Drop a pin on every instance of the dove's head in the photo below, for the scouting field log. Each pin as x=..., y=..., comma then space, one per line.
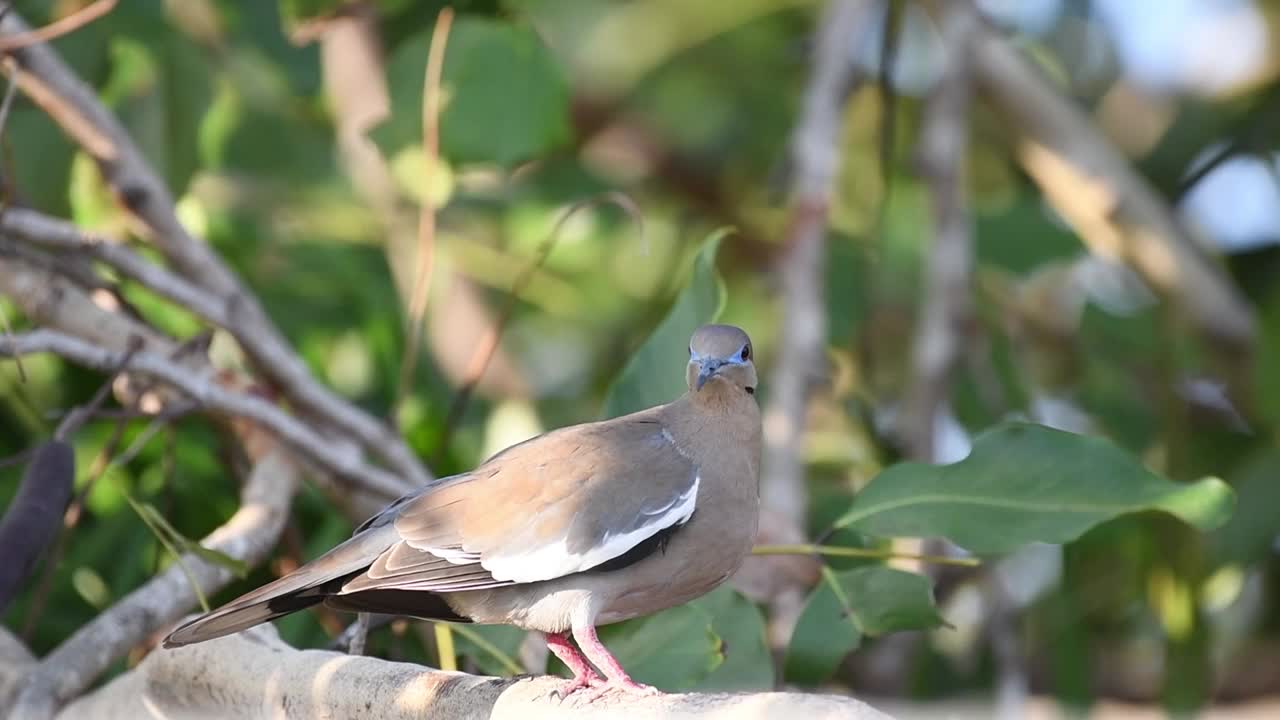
x=721, y=355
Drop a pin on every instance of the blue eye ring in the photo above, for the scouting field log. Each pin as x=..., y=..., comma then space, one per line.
x=745, y=354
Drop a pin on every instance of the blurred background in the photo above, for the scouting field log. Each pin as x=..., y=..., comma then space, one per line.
x=931, y=216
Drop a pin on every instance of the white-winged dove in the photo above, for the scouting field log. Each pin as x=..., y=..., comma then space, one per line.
x=582, y=526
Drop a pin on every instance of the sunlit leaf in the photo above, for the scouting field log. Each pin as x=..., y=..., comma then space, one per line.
x=1026, y=483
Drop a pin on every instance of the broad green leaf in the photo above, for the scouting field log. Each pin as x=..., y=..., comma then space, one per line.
x=672, y=650
x=846, y=606
x=655, y=373
x=823, y=635
x=1027, y=483
x=715, y=643
x=746, y=661
x=505, y=99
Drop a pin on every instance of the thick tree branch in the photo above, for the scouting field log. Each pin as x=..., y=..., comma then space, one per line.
x=1114, y=209
x=74, y=106
x=248, y=535
x=254, y=676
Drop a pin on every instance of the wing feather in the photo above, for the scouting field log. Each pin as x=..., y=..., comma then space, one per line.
x=563, y=503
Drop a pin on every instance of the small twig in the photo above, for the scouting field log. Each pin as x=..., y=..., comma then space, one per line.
x=5, y=105
x=346, y=638
x=206, y=391
x=58, y=28
x=873, y=553
x=80, y=414
x=359, y=634
x=427, y=213
x=489, y=345
x=75, y=106
x=164, y=541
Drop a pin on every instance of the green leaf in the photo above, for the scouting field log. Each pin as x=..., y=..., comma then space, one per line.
x=1026, y=483
x=505, y=98
x=715, y=643
x=1248, y=536
x=493, y=648
x=673, y=650
x=846, y=606
x=169, y=535
x=746, y=661
x=655, y=373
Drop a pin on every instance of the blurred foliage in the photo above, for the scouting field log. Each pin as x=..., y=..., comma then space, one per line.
x=687, y=107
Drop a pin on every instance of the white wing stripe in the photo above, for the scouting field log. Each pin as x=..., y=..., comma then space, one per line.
x=554, y=560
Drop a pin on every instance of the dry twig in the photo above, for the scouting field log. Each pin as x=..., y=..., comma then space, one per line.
x=204, y=389
x=58, y=28
x=47, y=80
x=427, y=213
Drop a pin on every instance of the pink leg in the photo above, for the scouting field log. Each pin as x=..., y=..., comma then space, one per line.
x=600, y=656
x=583, y=674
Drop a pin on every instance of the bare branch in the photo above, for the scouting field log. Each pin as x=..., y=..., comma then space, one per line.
x=58, y=28
x=815, y=151
x=946, y=315
x=255, y=676
x=39, y=229
x=1115, y=211
x=248, y=535
x=74, y=106
x=204, y=388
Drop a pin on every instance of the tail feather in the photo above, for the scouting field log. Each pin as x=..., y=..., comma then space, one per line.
x=228, y=621
x=302, y=588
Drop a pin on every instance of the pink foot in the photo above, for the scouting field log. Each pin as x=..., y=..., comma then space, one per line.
x=599, y=655
x=584, y=676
